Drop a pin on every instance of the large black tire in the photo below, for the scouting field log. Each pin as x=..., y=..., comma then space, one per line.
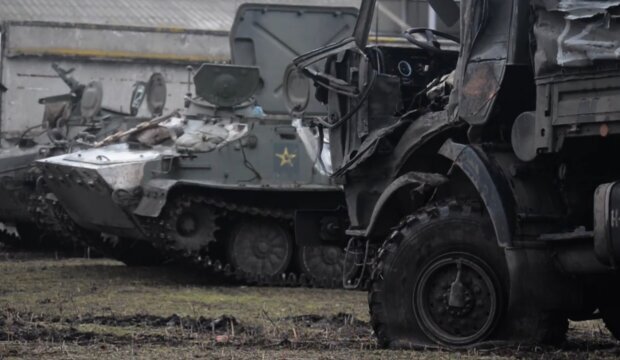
x=411, y=285
x=611, y=318
x=417, y=273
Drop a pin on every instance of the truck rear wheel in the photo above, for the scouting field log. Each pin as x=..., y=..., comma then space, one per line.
x=440, y=279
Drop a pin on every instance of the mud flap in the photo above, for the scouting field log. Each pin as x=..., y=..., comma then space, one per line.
x=540, y=297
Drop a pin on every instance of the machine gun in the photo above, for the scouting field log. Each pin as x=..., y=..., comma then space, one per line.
x=75, y=86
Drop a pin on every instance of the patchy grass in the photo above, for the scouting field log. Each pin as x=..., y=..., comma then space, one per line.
x=54, y=308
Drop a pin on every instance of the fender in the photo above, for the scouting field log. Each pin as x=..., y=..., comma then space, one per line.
x=530, y=269
x=490, y=185
x=412, y=185
x=154, y=197
x=155, y=192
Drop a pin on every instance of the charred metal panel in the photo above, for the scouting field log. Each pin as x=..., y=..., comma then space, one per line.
x=574, y=34
x=582, y=105
x=577, y=78
x=422, y=130
x=411, y=186
x=492, y=39
x=469, y=161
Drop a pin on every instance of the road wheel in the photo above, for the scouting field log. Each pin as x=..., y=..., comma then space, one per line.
x=323, y=264
x=440, y=279
x=260, y=248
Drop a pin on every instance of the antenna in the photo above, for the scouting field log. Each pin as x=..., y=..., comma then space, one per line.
x=188, y=95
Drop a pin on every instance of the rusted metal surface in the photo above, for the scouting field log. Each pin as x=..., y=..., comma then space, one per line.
x=579, y=9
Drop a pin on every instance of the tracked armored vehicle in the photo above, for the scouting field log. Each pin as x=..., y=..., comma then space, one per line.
x=490, y=198
x=236, y=181
x=70, y=121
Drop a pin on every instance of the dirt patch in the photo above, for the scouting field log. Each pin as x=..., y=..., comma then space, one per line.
x=306, y=331
x=54, y=308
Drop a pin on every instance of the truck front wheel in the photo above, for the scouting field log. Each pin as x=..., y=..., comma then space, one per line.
x=440, y=279
x=611, y=318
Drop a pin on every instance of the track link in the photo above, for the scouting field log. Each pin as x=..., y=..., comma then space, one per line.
x=8, y=239
x=217, y=265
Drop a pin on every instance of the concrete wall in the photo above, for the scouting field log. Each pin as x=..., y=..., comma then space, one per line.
x=115, y=56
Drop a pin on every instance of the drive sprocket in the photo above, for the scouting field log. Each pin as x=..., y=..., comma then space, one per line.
x=187, y=225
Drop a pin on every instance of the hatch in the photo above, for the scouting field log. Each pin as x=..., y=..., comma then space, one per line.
x=226, y=85
x=271, y=36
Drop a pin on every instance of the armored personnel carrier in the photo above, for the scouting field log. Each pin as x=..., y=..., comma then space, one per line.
x=491, y=195
x=70, y=121
x=231, y=181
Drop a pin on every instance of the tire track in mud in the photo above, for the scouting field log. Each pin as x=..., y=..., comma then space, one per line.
x=224, y=330
x=313, y=332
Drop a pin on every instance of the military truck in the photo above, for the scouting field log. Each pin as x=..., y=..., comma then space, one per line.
x=486, y=186
x=70, y=121
x=233, y=181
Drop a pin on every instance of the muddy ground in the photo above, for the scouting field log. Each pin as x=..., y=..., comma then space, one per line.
x=59, y=308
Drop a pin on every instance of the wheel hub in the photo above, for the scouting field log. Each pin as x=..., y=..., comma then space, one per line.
x=459, y=311
x=261, y=249
x=456, y=299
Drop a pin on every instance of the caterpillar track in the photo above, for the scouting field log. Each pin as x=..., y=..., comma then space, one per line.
x=8, y=239
x=208, y=258
x=210, y=245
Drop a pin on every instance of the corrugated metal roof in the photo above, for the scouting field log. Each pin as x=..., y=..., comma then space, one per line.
x=217, y=15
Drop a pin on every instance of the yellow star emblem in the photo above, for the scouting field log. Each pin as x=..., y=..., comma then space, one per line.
x=286, y=158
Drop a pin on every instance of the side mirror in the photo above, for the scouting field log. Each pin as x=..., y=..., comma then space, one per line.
x=297, y=90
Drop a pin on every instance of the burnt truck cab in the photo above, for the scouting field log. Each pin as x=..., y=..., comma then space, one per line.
x=490, y=197
x=375, y=90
